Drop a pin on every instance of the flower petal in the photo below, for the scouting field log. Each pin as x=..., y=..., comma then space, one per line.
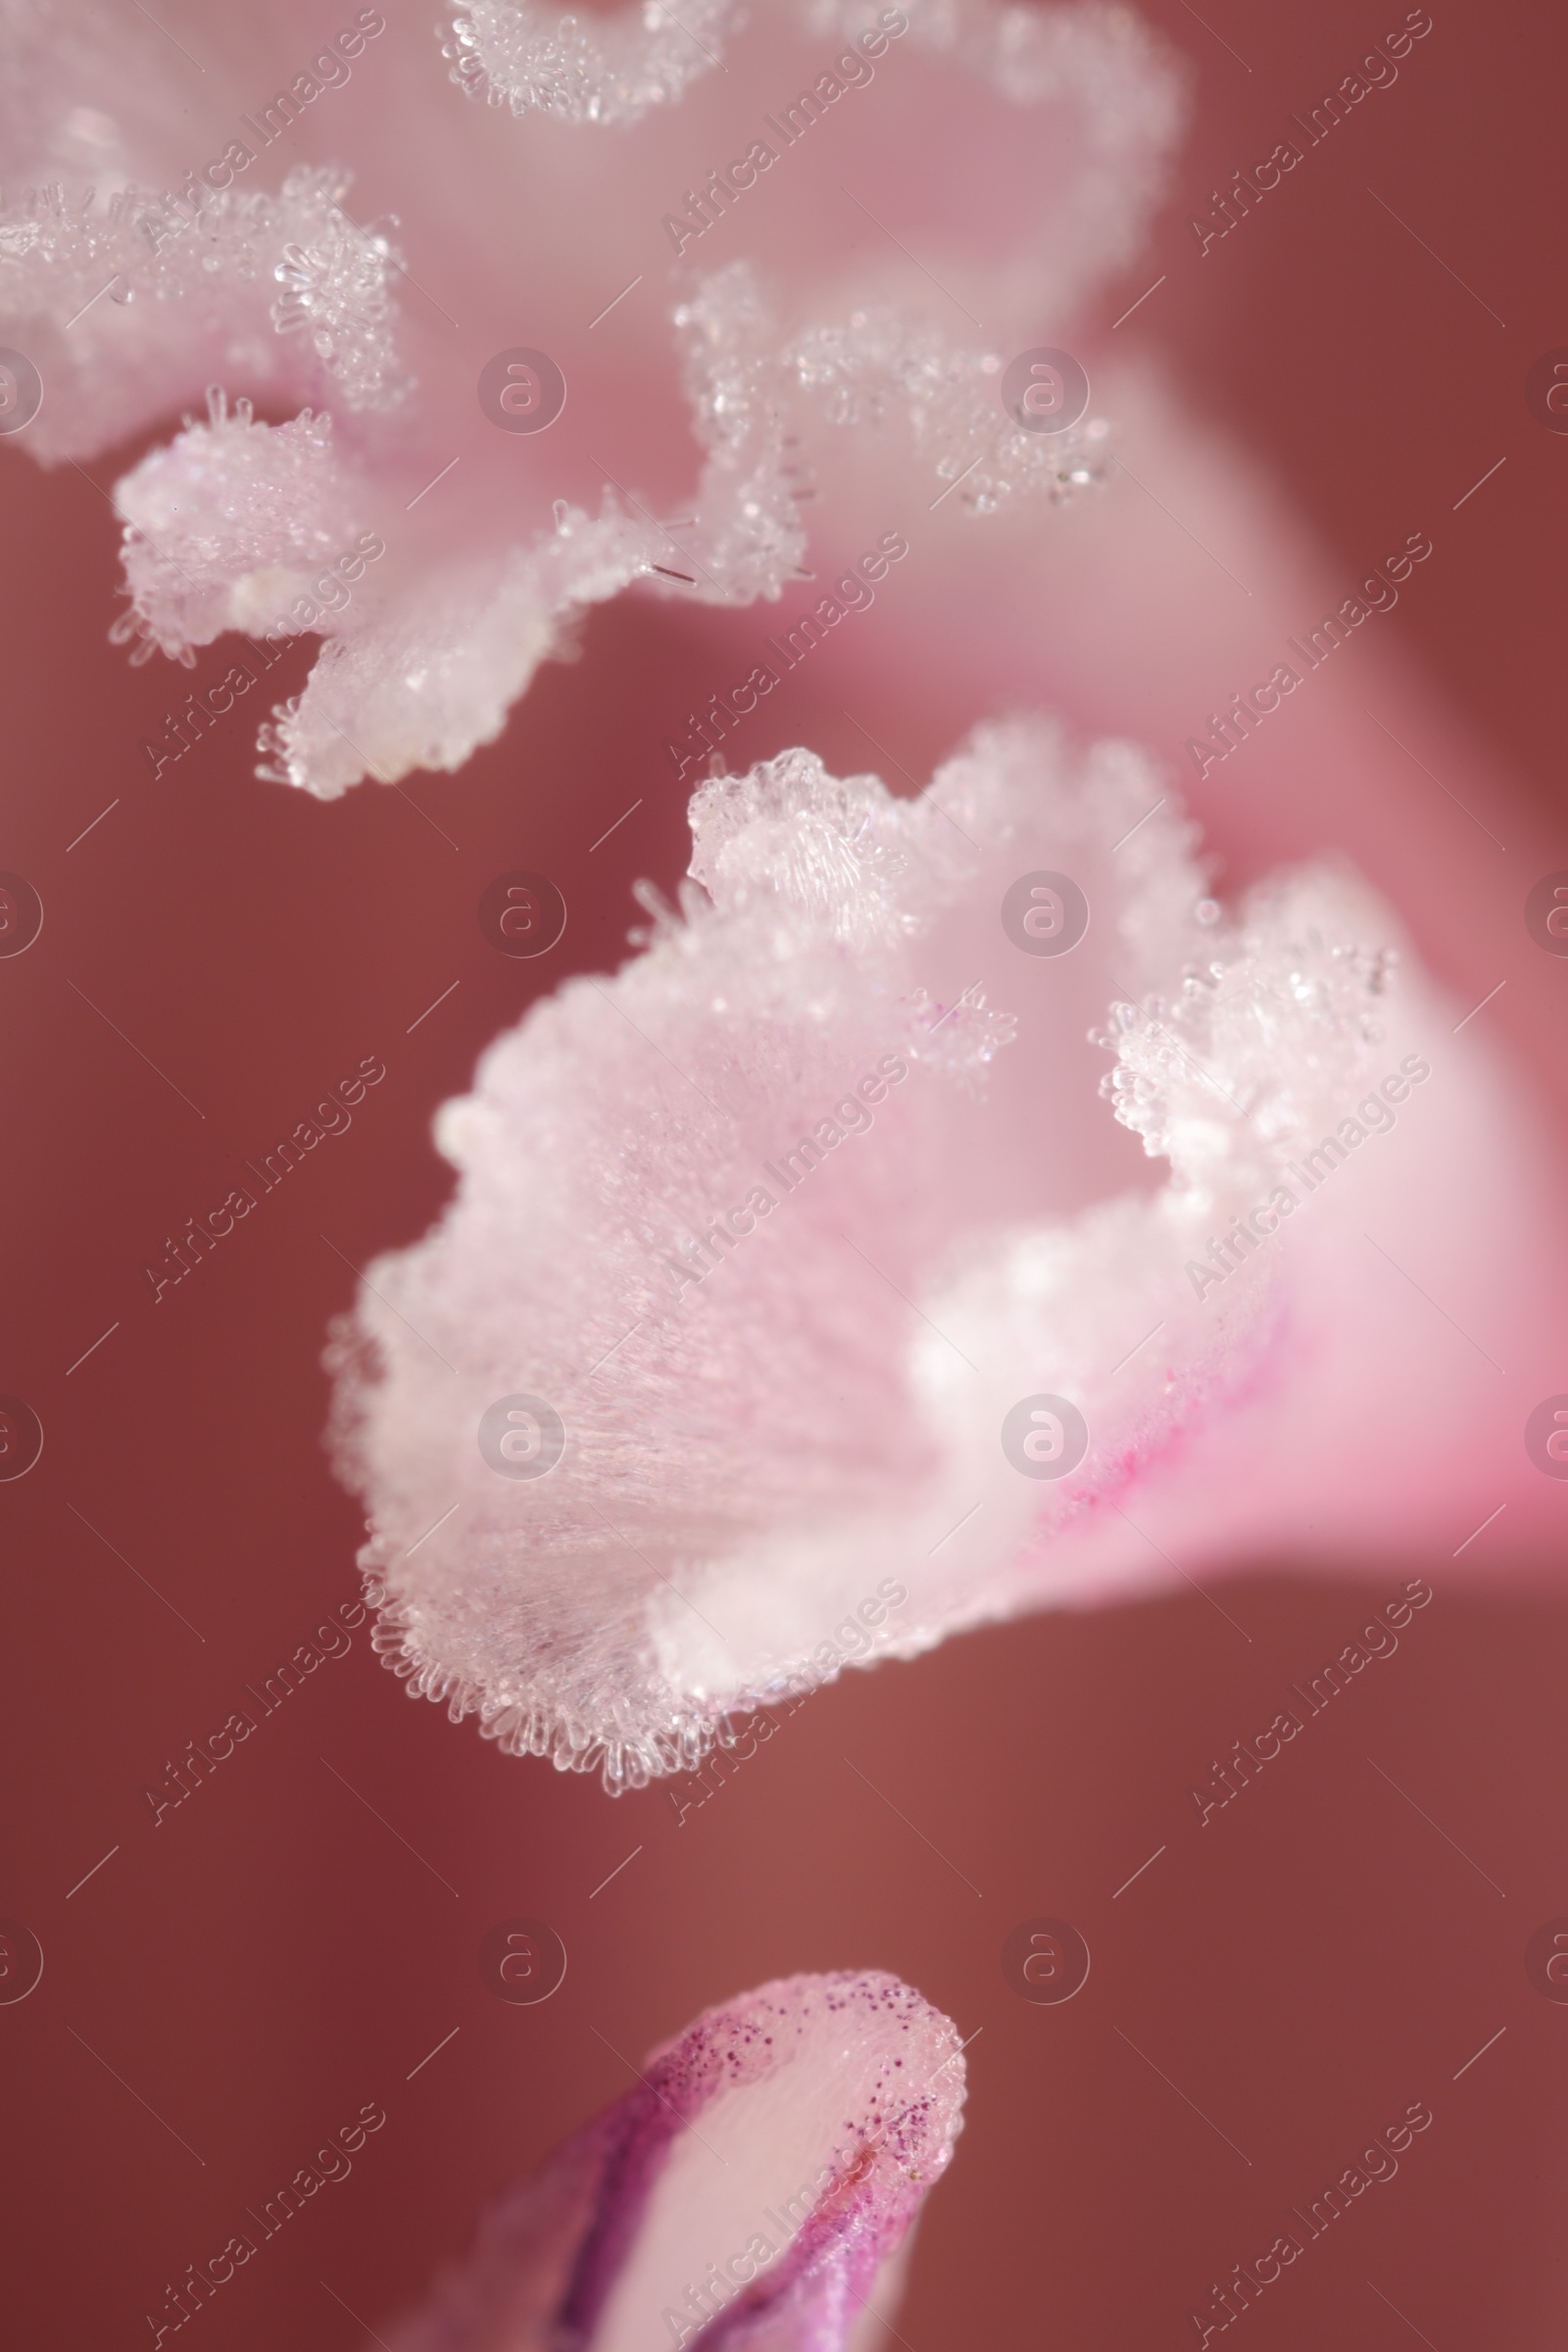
x=799, y=318
x=753, y=2191
x=612, y=69
x=802, y=1280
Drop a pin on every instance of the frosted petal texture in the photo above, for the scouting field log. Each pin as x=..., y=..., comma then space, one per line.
x=870, y=372
x=434, y=670
x=225, y=526
x=832, y=2103
x=116, y=302
x=794, y=338
x=784, y=1219
x=584, y=69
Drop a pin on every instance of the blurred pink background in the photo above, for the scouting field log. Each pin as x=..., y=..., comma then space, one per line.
x=232, y=1985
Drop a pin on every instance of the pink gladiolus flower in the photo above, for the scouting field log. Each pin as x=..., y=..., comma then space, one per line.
x=742, y=1442
x=754, y=2189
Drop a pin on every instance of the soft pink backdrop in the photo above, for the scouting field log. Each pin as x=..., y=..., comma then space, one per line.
x=273, y=1956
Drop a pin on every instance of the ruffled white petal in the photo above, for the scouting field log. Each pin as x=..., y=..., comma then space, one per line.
x=796, y=349
x=786, y=1220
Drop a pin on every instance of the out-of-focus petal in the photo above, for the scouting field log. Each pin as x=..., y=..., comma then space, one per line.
x=754, y=2191
x=772, y=311
x=602, y=69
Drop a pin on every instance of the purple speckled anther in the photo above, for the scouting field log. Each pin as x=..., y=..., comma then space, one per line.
x=754, y=2189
